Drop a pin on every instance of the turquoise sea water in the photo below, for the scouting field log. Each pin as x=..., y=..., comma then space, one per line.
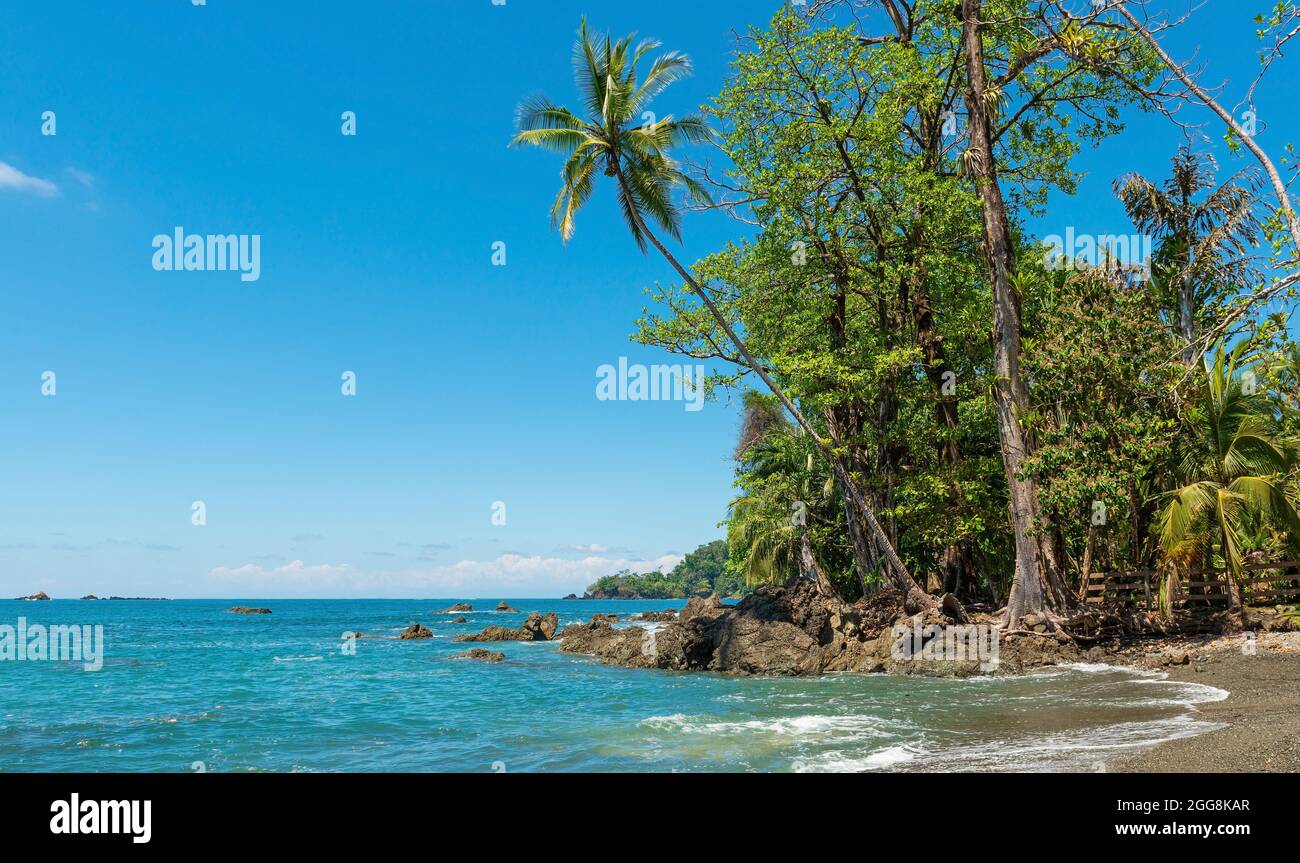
x=187, y=686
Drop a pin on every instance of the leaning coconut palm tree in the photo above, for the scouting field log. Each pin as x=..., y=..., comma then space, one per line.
x=615, y=138
x=1233, y=470
x=1203, y=258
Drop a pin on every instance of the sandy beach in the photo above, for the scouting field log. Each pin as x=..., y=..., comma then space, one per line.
x=1261, y=712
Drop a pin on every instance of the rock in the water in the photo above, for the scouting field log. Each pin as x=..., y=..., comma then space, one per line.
x=789, y=629
x=461, y=620
x=242, y=609
x=90, y=596
x=572, y=596
x=39, y=595
x=775, y=630
x=538, y=627
x=492, y=633
x=457, y=608
x=504, y=606
x=604, y=618
x=481, y=654
x=415, y=630
x=657, y=616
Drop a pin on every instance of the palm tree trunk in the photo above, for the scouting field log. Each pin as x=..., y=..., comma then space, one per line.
x=1229, y=571
x=1009, y=395
x=895, y=571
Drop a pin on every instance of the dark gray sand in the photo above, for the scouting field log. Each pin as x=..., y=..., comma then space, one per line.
x=1262, y=710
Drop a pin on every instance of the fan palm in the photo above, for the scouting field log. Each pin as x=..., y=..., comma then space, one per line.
x=618, y=137
x=1203, y=243
x=1233, y=472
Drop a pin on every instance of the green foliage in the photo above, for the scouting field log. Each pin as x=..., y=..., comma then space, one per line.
x=860, y=285
x=612, y=137
x=1097, y=356
x=700, y=573
x=1234, y=469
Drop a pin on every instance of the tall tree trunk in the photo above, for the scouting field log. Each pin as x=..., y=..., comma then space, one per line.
x=809, y=569
x=896, y=571
x=864, y=552
x=1234, y=584
x=1009, y=395
x=1085, y=574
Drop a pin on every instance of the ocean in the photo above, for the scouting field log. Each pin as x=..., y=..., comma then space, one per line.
x=187, y=686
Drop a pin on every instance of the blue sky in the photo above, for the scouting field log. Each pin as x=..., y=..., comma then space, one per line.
x=475, y=383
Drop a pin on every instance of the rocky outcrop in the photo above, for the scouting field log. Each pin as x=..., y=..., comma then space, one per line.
x=90, y=596
x=793, y=630
x=413, y=631
x=481, y=654
x=504, y=606
x=604, y=618
x=572, y=596
x=39, y=595
x=538, y=627
x=656, y=616
x=492, y=633
x=242, y=609
x=461, y=620
x=457, y=608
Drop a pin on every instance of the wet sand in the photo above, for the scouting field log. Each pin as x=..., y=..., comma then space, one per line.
x=1262, y=710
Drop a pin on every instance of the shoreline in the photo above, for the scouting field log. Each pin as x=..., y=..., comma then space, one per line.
x=1261, y=714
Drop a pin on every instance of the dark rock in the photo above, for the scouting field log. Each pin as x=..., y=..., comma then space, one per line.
x=668, y=616
x=503, y=606
x=415, y=630
x=457, y=608
x=538, y=627
x=775, y=630
x=790, y=630
x=90, y=596
x=492, y=633
x=604, y=618
x=572, y=596
x=481, y=654
x=461, y=620
x=39, y=595
x=242, y=609
x=697, y=606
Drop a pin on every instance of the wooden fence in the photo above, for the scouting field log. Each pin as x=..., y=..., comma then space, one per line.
x=1261, y=584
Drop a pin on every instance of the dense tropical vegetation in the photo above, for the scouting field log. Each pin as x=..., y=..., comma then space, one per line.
x=703, y=572
x=932, y=402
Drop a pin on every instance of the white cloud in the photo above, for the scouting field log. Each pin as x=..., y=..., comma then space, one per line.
x=594, y=548
x=513, y=575
x=293, y=573
x=12, y=178
x=83, y=177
